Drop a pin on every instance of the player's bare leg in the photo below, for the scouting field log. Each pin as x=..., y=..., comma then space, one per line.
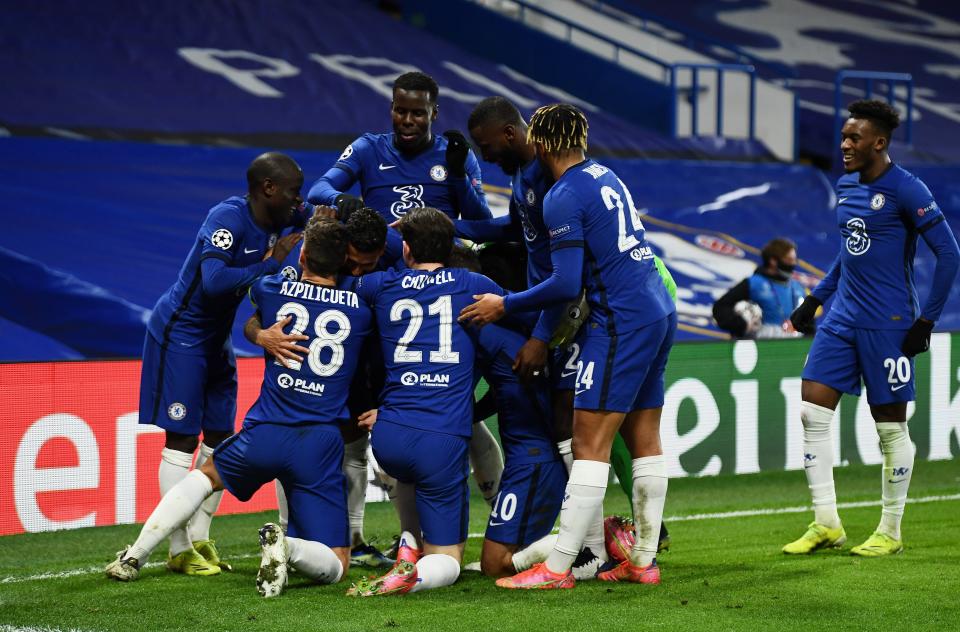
x=816, y=414
x=898, y=453
x=500, y=560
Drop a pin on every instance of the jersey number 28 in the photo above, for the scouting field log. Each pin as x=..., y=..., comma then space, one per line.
x=324, y=338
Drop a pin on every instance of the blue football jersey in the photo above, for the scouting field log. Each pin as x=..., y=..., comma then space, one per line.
x=523, y=412
x=529, y=187
x=193, y=319
x=337, y=322
x=879, y=224
x=393, y=183
x=589, y=206
x=429, y=356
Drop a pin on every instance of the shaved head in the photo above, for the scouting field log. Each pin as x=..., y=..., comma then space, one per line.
x=271, y=166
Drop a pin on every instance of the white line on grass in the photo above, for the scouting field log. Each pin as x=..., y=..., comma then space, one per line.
x=786, y=510
x=90, y=570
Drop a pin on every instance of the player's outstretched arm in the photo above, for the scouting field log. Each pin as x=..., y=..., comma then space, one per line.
x=330, y=186
x=503, y=228
x=280, y=345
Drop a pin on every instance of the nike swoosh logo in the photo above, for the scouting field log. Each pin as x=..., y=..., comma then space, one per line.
x=384, y=167
x=900, y=481
x=841, y=201
x=580, y=391
x=567, y=373
x=250, y=252
x=495, y=524
x=897, y=388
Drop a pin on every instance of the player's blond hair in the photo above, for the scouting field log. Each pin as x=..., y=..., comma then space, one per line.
x=559, y=127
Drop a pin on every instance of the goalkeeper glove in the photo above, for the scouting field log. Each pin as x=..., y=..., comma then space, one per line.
x=574, y=315
x=918, y=338
x=802, y=317
x=457, y=148
x=347, y=205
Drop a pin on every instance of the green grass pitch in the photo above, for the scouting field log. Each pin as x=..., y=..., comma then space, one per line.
x=722, y=573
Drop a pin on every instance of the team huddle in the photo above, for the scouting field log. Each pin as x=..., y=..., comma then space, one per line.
x=377, y=324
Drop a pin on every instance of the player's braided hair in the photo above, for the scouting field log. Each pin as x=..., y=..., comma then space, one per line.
x=325, y=245
x=559, y=127
x=880, y=113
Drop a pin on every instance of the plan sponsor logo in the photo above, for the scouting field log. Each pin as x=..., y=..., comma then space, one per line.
x=440, y=380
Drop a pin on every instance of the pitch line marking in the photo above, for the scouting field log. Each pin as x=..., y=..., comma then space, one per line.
x=92, y=570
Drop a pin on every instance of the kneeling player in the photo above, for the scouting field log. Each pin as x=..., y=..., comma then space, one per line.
x=290, y=433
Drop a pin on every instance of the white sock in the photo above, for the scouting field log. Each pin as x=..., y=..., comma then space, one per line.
x=649, y=495
x=486, y=460
x=283, y=510
x=565, y=448
x=584, y=496
x=174, y=467
x=173, y=511
x=403, y=497
x=355, y=469
x=818, y=462
x=593, y=538
x=898, y=455
x=408, y=539
x=198, y=528
x=534, y=553
x=315, y=560
x=436, y=571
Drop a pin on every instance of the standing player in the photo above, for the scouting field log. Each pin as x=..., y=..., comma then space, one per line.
x=875, y=326
x=290, y=432
x=409, y=168
x=597, y=241
x=424, y=421
x=188, y=383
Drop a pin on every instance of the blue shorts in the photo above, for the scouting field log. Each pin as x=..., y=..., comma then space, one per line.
x=563, y=367
x=840, y=355
x=186, y=393
x=624, y=372
x=307, y=460
x=439, y=466
x=528, y=502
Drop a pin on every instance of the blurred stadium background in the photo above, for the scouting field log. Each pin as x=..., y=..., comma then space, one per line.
x=123, y=122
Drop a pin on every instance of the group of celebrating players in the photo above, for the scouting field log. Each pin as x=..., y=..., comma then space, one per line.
x=379, y=325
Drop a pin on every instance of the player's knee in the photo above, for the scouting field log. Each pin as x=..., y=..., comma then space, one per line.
x=496, y=560
x=213, y=438
x=181, y=442
x=210, y=471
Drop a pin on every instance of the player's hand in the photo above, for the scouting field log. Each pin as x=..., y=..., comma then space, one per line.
x=531, y=361
x=284, y=245
x=347, y=205
x=282, y=346
x=918, y=337
x=366, y=420
x=325, y=211
x=802, y=317
x=457, y=149
x=487, y=309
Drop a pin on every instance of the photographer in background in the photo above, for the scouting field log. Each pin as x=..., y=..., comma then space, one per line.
x=760, y=305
